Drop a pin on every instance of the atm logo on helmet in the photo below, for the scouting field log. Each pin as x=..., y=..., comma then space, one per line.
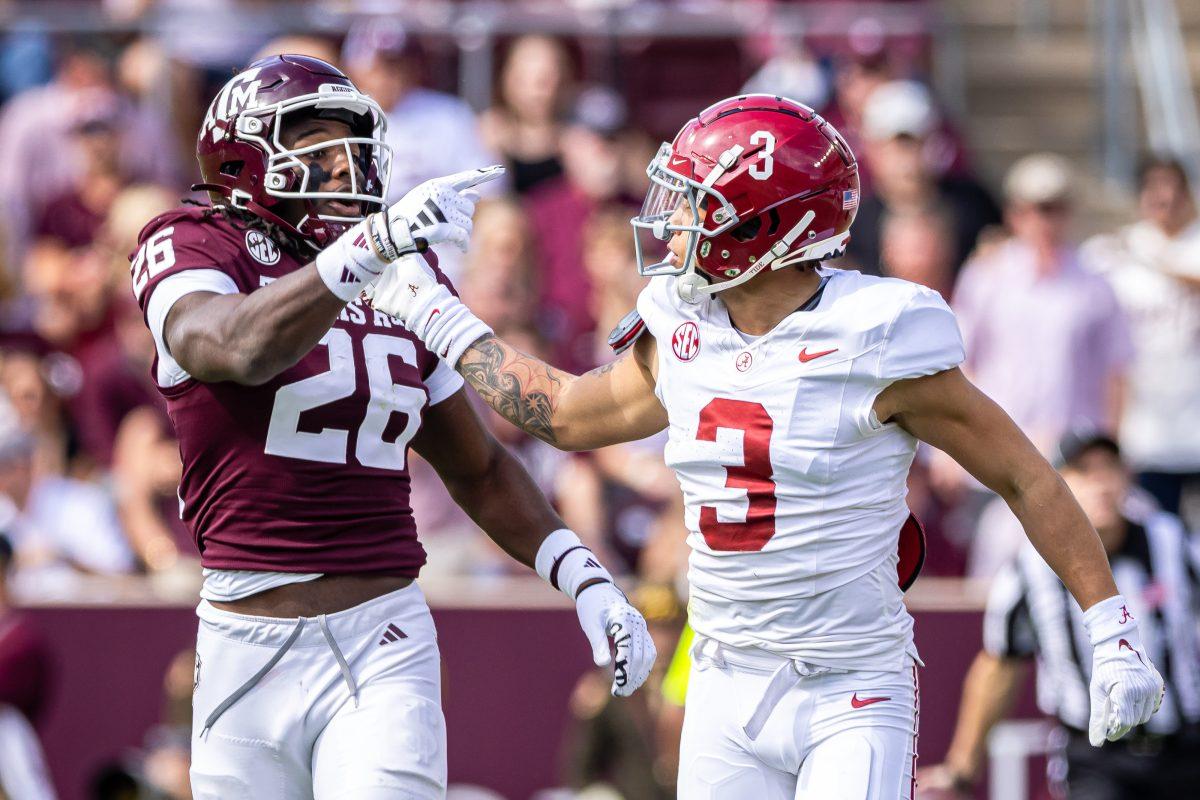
x=236, y=96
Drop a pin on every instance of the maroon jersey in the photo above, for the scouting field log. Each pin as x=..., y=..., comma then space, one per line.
x=307, y=472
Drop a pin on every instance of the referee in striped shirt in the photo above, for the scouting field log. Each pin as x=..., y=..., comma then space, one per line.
x=1030, y=615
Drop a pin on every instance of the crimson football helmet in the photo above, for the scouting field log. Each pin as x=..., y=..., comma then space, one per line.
x=754, y=181
x=245, y=164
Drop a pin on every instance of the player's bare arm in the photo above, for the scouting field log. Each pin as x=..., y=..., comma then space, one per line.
x=497, y=493
x=610, y=404
x=950, y=413
x=485, y=479
x=250, y=339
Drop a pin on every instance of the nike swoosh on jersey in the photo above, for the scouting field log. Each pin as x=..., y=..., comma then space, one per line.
x=806, y=356
x=866, y=701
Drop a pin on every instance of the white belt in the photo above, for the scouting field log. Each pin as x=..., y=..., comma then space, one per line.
x=786, y=674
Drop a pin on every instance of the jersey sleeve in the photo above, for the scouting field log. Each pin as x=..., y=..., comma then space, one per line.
x=922, y=339
x=176, y=256
x=1008, y=630
x=442, y=382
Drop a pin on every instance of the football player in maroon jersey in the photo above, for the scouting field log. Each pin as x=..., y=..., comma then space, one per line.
x=317, y=668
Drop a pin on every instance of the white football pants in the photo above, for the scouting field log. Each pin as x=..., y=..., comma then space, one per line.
x=759, y=726
x=344, y=705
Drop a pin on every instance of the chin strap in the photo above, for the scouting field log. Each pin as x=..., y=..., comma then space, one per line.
x=692, y=286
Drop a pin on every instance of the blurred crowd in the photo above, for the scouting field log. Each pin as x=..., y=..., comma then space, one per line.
x=96, y=138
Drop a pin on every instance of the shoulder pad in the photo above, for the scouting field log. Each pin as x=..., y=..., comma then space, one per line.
x=627, y=332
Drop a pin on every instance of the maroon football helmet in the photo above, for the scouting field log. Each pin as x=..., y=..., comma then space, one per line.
x=245, y=164
x=768, y=183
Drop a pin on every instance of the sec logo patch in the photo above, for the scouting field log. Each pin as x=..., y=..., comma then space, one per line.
x=686, y=341
x=261, y=248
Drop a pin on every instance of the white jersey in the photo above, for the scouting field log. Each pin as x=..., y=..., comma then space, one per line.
x=794, y=492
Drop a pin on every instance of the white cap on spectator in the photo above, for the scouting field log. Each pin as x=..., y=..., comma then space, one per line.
x=600, y=110
x=899, y=108
x=1039, y=178
x=373, y=37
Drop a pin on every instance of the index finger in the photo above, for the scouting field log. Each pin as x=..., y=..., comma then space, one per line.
x=474, y=177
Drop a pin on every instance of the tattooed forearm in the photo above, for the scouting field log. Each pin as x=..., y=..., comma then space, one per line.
x=522, y=389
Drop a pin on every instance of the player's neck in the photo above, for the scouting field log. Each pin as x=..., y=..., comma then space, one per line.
x=760, y=304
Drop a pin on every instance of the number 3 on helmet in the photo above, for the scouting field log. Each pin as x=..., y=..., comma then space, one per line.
x=755, y=181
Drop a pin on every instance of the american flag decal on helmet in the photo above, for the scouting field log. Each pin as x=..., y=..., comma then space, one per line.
x=849, y=199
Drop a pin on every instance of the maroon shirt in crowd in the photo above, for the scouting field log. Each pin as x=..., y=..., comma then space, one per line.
x=307, y=472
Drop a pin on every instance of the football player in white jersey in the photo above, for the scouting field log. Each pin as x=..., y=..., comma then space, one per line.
x=795, y=396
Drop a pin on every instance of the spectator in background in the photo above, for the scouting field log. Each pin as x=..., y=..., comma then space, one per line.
x=1154, y=267
x=33, y=386
x=37, y=160
x=559, y=212
x=115, y=361
x=917, y=246
x=1045, y=338
x=525, y=123
x=40, y=154
x=73, y=217
x=59, y=526
x=611, y=267
x=499, y=276
x=431, y=133
x=900, y=132
x=793, y=73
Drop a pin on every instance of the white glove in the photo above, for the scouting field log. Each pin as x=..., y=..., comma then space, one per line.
x=1126, y=689
x=444, y=203
x=410, y=291
x=436, y=211
x=604, y=611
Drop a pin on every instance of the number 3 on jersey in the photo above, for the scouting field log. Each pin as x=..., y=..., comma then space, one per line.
x=754, y=474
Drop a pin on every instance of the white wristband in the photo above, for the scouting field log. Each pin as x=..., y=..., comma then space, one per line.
x=1107, y=619
x=566, y=563
x=453, y=329
x=350, y=263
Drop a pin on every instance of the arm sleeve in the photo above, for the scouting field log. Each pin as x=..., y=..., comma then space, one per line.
x=922, y=339
x=1008, y=630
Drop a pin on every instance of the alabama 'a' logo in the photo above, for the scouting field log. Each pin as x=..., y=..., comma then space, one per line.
x=685, y=342
x=261, y=248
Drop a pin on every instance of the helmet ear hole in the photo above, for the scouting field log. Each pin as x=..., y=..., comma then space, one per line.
x=232, y=168
x=773, y=228
x=747, y=230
